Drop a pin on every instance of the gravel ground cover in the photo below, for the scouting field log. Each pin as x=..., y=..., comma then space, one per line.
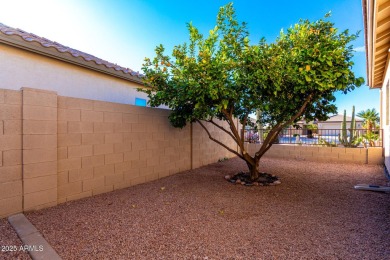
x=10, y=244
x=314, y=214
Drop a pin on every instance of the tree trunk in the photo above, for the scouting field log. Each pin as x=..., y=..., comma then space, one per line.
x=253, y=170
x=369, y=127
x=260, y=131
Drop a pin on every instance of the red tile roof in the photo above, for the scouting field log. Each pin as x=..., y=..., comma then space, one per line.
x=30, y=38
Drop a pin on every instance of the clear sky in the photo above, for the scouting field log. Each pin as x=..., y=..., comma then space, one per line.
x=127, y=31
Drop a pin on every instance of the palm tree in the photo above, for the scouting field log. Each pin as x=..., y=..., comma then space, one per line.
x=371, y=118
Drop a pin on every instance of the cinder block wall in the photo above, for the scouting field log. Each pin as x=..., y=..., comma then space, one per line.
x=371, y=155
x=39, y=114
x=11, y=182
x=55, y=149
x=105, y=146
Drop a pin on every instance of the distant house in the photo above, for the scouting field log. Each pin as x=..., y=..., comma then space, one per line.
x=334, y=122
x=331, y=127
x=28, y=60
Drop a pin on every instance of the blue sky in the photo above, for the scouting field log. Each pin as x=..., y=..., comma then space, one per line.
x=127, y=31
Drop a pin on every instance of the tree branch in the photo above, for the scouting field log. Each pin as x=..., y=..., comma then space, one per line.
x=271, y=134
x=218, y=142
x=243, y=127
x=223, y=129
x=234, y=130
x=300, y=112
x=279, y=127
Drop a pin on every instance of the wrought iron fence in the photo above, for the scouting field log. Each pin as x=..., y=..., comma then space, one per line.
x=321, y=137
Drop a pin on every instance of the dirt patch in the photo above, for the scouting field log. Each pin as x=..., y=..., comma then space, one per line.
x=314, y=214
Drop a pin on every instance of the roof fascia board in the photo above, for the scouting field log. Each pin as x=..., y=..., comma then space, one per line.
x=371, y=40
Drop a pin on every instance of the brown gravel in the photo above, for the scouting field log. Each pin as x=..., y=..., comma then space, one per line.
x=10, y=243
x=314, y=214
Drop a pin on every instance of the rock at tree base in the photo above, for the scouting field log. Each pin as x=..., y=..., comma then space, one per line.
x=243, y=178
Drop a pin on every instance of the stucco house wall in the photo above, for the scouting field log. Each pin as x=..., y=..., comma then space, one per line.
x=27, y=69
x=385, y=117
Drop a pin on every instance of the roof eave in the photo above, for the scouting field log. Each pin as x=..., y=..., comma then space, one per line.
x=51, y=52
x=376, y=15
x=368, y=19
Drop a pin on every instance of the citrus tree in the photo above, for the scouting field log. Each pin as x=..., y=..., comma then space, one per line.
x=223, y=76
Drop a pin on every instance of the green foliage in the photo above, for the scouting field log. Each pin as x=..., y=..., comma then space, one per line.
x=368, y=138
x=353, y=122
x=343, y=138
x=371, y=118
x=223, y=72
x=266, y=133
x=311, y=128
x=352, y=140
x=323, y=142
x=224, y=76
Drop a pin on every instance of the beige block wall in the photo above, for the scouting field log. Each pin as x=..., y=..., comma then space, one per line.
x=39, y=148
x=66, y=79
x=372, y=155
x=105, y=146
x=375, y=155
x=11, y=191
